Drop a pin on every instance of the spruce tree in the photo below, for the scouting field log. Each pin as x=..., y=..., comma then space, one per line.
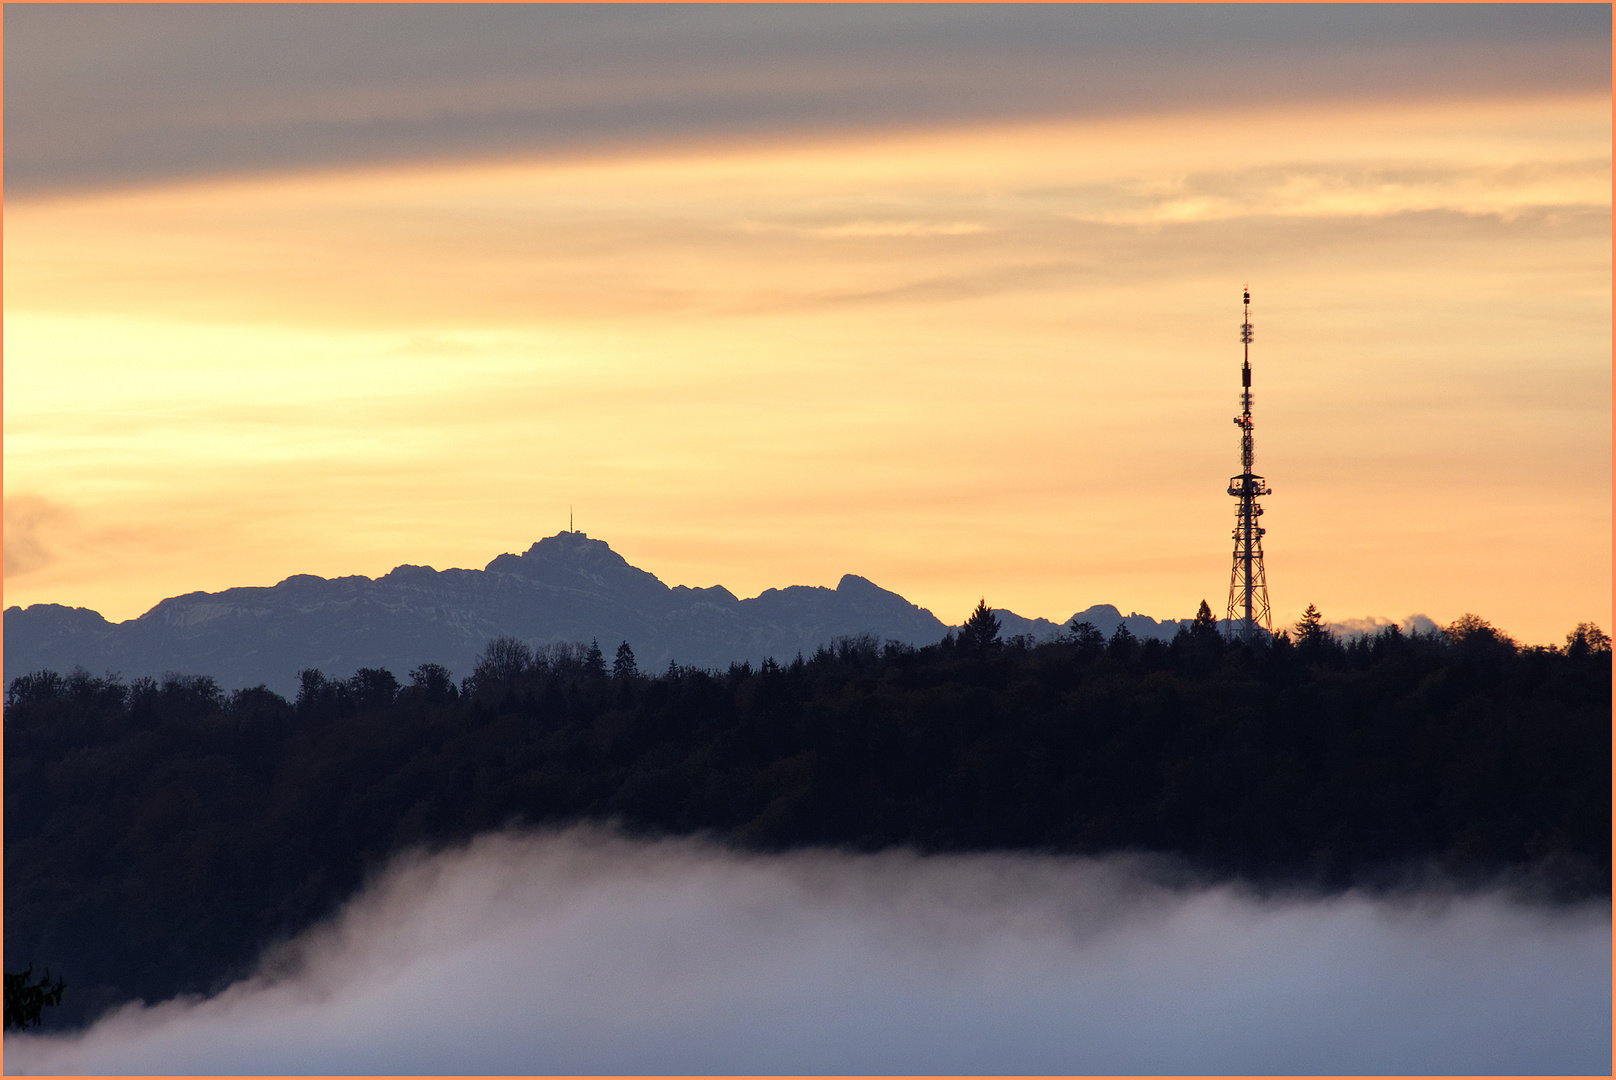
x=1310, y=628
x=981, y=631
x=623, y=666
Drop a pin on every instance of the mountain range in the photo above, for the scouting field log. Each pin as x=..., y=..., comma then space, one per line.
x=565, y=588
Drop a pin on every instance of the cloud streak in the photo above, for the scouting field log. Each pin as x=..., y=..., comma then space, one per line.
x=118, y=95
x=584, y=952
x=32, y=527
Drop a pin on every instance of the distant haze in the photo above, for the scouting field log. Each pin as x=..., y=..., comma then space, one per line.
x=583, y=953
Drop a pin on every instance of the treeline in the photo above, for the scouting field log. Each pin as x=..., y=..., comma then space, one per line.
x=159, y=833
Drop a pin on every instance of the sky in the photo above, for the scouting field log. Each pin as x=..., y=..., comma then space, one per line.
x=946, y=297
x=582, y=952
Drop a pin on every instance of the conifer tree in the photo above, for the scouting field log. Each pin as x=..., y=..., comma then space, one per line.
x=1310, y=628
x=1087, y=637
x=981, y=631
x=623, y=666
x=594, y=660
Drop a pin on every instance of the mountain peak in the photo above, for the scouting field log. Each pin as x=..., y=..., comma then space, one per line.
x=566, y=587
x=570, y=550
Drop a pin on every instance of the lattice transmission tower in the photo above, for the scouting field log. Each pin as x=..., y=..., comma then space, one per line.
x=1248, y=582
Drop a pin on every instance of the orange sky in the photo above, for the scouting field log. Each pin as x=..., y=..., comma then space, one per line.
x=991, y=358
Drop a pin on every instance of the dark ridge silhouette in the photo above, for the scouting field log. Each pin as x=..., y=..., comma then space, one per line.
x=160, y=833
x=566, y=587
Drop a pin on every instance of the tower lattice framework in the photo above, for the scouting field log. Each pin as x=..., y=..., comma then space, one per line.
x=1248, y=581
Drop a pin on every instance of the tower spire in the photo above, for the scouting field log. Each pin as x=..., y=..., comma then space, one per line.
x=1248, y=581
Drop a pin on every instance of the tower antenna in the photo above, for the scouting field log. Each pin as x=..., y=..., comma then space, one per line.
x=569, y=517
x=1248, y=581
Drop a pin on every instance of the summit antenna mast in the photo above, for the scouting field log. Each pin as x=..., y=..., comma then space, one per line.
x=1248, y=581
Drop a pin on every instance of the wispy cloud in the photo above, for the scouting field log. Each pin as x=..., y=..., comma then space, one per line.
x=1320, y=191
x=865, y=228
x=582, y=952
x=32, y=526
x=130, y=94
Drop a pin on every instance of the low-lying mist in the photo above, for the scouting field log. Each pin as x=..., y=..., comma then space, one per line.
x=583, y=952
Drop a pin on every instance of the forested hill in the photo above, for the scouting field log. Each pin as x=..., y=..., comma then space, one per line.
x=157, y=835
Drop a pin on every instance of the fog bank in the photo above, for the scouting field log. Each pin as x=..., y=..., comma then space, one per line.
x=581, y=952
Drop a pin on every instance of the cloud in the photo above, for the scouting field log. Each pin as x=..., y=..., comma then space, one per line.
x=583, y=952
x=117, y=95
x=1374, y=624
x=866, y=228
x=1307, y=190
x=32, y=526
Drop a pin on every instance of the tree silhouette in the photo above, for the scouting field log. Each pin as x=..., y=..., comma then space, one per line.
x=1310, y=629
x=1469, y=628
x=981, y=631
x=594, y=660
x=503, y=662
x=623, y=666
x=1478, y=641
x=1122, y=642
x=432, y=682
x=373, y=688
x=1087, y=637
x=319, y=696
x=26, y=999
x=1586, y=638
x=1205, y=625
